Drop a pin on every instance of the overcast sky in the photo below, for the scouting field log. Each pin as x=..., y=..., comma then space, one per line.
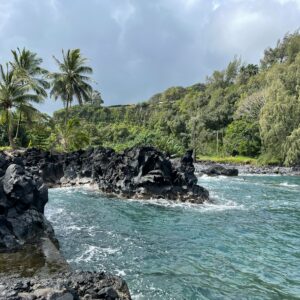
x=140, y=47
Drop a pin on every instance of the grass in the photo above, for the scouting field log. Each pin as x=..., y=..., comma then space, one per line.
x=242, y=160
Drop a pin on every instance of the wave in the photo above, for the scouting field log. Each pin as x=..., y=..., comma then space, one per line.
x=212, y=178
x=286, y=184
x=214, y=205
x=92, y=251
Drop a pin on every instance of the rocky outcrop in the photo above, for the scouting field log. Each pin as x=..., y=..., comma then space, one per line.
x=140, y=172
x=22, y=200
x=65, y=286
x=217, y=170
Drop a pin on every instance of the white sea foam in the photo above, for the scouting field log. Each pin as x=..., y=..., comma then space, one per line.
x=73, y=227
x=120, y=272
x=215, y=205
x=92, y=251
x=228, y=205
x=288, y=184
x=212, y=178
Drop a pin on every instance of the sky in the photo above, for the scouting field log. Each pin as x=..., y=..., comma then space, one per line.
x=140, y=47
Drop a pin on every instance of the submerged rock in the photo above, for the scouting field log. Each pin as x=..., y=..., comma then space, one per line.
x=217, y=170
x=65, y=286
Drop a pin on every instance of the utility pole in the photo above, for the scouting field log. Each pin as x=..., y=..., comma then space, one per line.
x=217, y=142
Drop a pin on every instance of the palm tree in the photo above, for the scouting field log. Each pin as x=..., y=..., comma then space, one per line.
x=69, y=137
x=95, y=98
x=13, y=96
x=27, y=71
x=71, y=80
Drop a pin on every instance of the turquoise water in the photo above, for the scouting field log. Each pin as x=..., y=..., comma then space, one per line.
x=245, y=245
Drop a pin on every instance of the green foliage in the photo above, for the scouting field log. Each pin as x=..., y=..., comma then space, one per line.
x=242, y=138
x=72, y=81
x=292, y=148
x=14, y=96
x=286, y=50
x=69, y=137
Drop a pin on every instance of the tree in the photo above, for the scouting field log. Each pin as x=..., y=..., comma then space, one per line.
x=246, y=72
x=27, y=71
x=69, y=137
x=71, y=80
x=13, y=95
x=279, y=117
x=250, y=106
x=286, y=50
x=242, y=138
x=95, y=98
x=292, y=148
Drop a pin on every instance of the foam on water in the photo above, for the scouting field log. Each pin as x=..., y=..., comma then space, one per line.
x=214, y=205
x=288, y=184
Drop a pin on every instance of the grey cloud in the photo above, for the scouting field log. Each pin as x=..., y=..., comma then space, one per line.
x=140, y=47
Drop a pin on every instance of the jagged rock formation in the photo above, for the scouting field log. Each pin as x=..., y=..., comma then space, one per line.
x=65, y=286
x=22, y=200
x=140, y=172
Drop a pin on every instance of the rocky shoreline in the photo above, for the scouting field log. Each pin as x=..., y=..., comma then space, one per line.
x=65, y=286
x=250, y=169
x=141, y=172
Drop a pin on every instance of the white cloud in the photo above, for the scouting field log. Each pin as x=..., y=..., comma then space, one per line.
x=139, y=47
x=283, y=2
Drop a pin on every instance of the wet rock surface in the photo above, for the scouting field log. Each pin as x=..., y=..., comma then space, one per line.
x=140, y=172
x=65, y=286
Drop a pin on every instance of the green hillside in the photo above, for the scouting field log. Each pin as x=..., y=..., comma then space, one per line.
x=245, y=110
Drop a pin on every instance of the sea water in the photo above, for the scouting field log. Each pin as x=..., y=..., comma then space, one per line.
x=245, y=244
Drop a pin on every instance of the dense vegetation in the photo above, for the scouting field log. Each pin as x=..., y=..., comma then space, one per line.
x=245, y=110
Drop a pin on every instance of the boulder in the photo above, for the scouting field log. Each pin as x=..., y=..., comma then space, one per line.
x=217, y=170
x=23, y=197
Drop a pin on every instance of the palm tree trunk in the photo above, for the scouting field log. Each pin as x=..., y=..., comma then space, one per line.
x=10, y=131
x=18, y=126
x=67, y=113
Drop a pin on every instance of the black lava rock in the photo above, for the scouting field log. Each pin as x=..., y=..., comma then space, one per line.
x=217, y=170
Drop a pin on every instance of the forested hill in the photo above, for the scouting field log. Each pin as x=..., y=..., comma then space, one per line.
x=246, y=109
x=250, y=110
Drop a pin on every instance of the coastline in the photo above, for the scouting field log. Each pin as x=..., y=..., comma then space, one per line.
x=245, y=169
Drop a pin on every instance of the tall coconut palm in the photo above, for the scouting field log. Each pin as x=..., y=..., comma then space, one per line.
x=13, y=96
x=27, y=69
x=71, y=80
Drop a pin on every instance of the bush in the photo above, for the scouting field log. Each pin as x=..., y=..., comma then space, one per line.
x=242, y=138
